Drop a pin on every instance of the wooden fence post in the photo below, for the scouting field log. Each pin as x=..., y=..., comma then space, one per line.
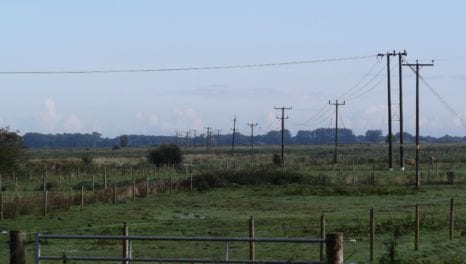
x=93, y=182
x=134, y=185
x=334, y=248
x=44, y=182
x=45, y=202
x=452, y=219
x=372, y=234
x=105, y=178
x=125, y=244
x=171, y=182
x=17, y=247
x=322, y=235
x=416, y=231
x=16, y=185
x=82, y=196
x=114, y=193
x=147, y=186
x=252, y=246
x=1, y=205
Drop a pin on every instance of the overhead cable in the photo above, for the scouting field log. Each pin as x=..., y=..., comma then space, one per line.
x=240, y=66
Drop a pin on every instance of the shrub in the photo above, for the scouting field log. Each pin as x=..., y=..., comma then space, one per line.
x=277, y=159
x=87, y=159
x=165, y=154
x=12, y=152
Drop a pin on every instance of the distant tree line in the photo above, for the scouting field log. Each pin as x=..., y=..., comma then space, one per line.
x=317, y=136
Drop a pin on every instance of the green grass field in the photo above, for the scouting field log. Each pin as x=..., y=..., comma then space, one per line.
x=285, y=209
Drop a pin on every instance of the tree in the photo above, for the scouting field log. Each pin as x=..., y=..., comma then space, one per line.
x=123, y=141
x=165, y=154
x=12, y=151
x=374, y=136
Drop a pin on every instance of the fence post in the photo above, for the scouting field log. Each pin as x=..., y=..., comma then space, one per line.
x=171, y=182
x=105, y=178
x=82, y=196
x=93, y=182
x=147, y=186
x=44, y=182
x=45, y=202
x=16, y=185
x=17, y=247
x=334, y=248
x=452, y=219
x=227, y=251
x=134, y=184
x=37, y=249
x=416, y=231
x=322, y=235
x=125, y=243
x=1, y=205
x=372, y=234
x=114, y=193
x=252, y=246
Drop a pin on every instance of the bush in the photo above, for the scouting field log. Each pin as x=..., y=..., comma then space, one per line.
x=87, y=159
x=165, y=154
x=12, y=152
x=277, y=159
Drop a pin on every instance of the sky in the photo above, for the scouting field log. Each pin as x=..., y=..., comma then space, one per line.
x=132, y=35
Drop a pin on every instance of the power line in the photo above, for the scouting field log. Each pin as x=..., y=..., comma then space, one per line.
x=320, y=120
x=366, y=91
x=349, y=93
x=362, y=88
x=443, y=101
x=240, y=66
x=324, y=110
x=342, y=96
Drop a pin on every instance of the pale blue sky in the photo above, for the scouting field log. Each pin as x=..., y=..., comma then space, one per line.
x=106, y=35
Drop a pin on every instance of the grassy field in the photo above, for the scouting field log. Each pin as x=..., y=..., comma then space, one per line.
x=289, y=208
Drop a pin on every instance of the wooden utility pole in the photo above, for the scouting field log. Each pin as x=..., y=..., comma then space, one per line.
x=207, y=139
x=416, y=67
x=186, y=143
x=400, y=77
x=282, y=118
x=252, y=125
x=194, y=138
x=218, y=136
x=336, y=104
x=389, y=104
x=233, y=135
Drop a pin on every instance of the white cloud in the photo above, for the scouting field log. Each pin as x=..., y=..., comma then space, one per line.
x=457, y=122
x=139, y=116
x=373, y=117
x=188, y=118
x=153, y=120
x=73, y=124
x=49, y=117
